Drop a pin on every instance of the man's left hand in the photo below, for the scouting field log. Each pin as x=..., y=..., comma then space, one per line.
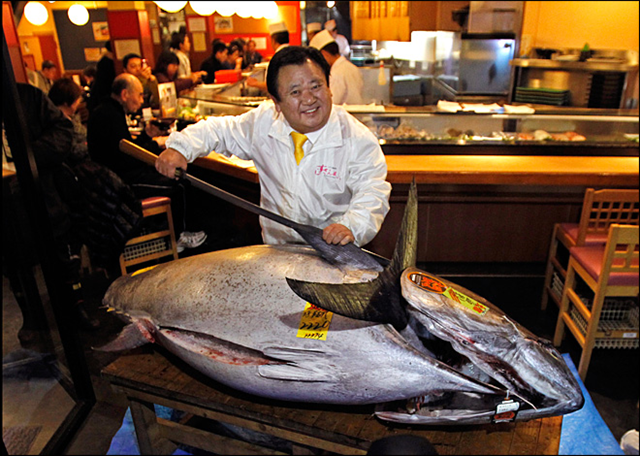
x=337, y=234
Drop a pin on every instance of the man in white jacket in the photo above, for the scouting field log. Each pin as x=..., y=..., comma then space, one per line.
x=346, y=81
x=339, y=184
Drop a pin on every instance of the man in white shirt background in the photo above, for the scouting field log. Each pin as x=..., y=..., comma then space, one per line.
x=339, y=185
x=342, y=41
x=346, y=81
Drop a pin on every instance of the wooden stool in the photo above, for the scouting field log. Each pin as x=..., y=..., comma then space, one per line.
x=151, y=245
x=600, y=209
x=609, y=271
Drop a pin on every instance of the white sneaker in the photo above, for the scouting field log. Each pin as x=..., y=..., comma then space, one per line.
x=189, y=240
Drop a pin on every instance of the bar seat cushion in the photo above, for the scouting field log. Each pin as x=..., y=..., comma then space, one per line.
x=155, y=201
x=571, y=229
x=590, y=257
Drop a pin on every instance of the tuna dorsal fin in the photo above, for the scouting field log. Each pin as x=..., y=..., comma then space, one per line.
x=379, y=300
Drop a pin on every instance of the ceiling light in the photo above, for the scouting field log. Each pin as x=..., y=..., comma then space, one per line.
x=203, y=8
x=36, y=13
x=78, y=14
x=331, y=4
x=171, y=7
x=271, y=10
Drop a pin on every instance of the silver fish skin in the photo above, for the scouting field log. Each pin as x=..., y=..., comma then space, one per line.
x=231, y=315
x=529, y=368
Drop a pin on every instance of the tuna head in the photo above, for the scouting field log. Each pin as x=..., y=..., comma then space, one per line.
x=527, y=367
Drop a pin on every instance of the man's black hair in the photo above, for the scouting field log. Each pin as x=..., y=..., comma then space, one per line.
x=332, y=48
x=177, y=38
x=217, y=45
x=281, y=37
x=125, y=60
x=46, y=64
x=293, y=55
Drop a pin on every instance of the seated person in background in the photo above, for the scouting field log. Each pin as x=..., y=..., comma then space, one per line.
x=214, y=62
x=108, y=125
x=103, y=209
x=89, y=76
x=346, y=80
x=137, y=66
x=166, y=70
x=234, y=56
x=43, y=79
x=251, y=57
x=180, y=46
x=51, y=134
x=338, y=184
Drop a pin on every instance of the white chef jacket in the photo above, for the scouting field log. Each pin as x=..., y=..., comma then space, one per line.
x=346, y=82
x=343, y=45
x=340, y=179
x=184, y=69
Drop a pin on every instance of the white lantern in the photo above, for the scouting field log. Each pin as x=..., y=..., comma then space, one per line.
x=245, y=9
x=271, y=10
x=226, y=9
x=78, y=14
x=36, y=13
x=171, y=7
x=203, y=8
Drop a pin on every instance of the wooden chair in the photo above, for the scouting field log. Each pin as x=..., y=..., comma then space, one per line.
x=600, y=209
x=151, y=245
x=609, y=271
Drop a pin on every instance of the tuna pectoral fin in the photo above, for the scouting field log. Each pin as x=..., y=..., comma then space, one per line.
x=377, y=301
x=298, y=365
x=130, y=337
x=380, y=299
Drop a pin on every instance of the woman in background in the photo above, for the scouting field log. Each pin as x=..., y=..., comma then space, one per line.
x=166, y=70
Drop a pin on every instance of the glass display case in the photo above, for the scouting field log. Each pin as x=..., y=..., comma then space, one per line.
x=426, y=130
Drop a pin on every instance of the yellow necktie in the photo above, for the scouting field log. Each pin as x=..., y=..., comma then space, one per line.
x=298, y=140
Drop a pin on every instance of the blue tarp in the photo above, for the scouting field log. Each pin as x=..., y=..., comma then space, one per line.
x=583, y=432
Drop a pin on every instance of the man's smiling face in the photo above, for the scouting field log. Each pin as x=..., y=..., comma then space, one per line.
x=305, y=98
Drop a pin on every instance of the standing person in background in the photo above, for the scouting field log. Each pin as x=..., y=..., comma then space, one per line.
x=43, y=79
x=346, y=80
x=279, y=41
x=213, y=63
x=105, y=74
x=251, y=57
x=137, y=66
x=343, y=43
x=312, y=29
x=166, y=70
x=180, y=46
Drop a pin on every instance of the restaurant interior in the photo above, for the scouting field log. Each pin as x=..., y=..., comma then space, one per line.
x=505, y=115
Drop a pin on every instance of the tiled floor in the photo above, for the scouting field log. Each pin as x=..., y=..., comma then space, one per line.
x=612, y=381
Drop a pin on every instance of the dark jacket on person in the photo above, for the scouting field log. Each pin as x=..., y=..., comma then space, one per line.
x=210, y=65
x=181, y=83
x=107, y=126
x=101, y=88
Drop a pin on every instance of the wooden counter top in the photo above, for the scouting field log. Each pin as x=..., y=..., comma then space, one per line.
x=509, y=169
x=483, y=169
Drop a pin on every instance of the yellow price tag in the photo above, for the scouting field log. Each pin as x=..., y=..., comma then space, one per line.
x=314, y=323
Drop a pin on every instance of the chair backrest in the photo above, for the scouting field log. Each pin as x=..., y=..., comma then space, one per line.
x=621, y=251
x=602, y=208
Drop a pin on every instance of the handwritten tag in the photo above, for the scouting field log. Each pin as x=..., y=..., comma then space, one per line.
x=314, y=323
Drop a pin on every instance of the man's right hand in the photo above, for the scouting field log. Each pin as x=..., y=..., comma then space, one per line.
x=168, y=161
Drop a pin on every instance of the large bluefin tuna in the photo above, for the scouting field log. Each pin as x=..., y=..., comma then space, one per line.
x=283, y=323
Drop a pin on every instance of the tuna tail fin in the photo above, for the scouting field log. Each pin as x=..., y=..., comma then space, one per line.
x=379, y=300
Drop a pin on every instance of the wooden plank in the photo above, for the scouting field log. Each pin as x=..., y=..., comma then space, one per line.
x=549, y=438
x=210, y=441
x=165, y=380
x=148, y=433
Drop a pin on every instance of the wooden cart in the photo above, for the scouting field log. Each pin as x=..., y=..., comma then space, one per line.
x=148, y=378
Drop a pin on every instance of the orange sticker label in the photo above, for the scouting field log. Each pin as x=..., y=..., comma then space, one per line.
x=429, y=283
